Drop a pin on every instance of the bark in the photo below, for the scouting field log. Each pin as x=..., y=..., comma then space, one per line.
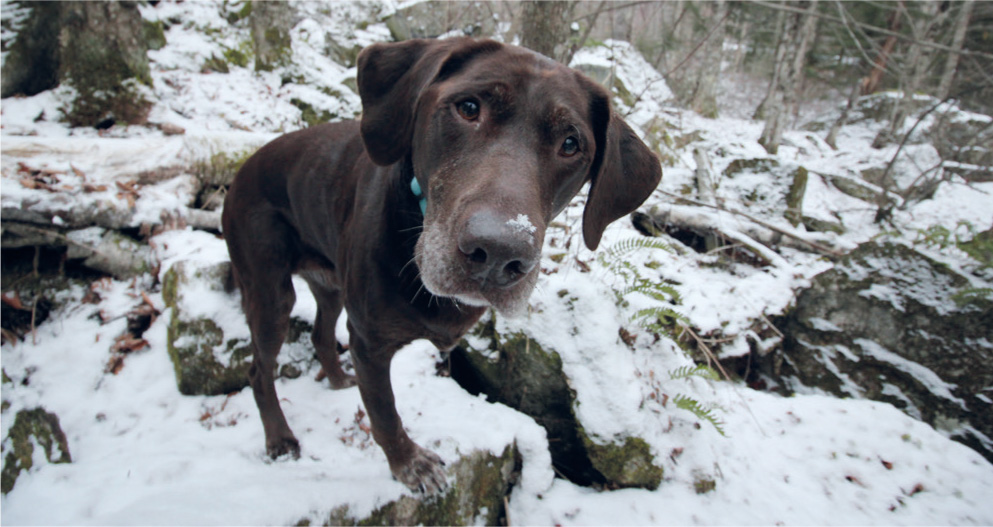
x=271, y=22
x=545, y=25
x=696, y=77
x=952, y=62
x=914, y=70
x=797, y=35
x=832, y=136
x=875, y=77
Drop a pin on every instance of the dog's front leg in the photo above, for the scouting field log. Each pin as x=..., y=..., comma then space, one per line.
x=417, y=468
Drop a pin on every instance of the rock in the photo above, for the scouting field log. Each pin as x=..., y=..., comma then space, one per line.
x=171, y=129
x=794, y=198
x=98, y=48
x=32, y=428
x=819, y=225
x=761, y=164
x=206, y=360
x=476, y=496
x=884, y=325
x=271, y=23
x=515, y=370
x=208, y=339
x=431, y=19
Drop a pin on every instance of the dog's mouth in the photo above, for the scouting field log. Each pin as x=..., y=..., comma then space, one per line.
x=454, y=270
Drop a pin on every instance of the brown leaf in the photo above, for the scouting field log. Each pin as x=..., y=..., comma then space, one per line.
x=13, y=301
x=79, y=173
x=115, y=365
x=128, y=343
x=91, y=187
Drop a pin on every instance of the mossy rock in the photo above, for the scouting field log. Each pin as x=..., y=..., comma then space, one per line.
x=205, y=362
x=884, y=324
x=761, y=164
x=818, y=225
x=794, y=198
x=271, y=23
x=311, y=115
x=625, y=462
x=154, y=34
x=103, y=56
x=515, y=370
x=476, y=496
x=855, y=188
x=32, y=428
x=215, y=64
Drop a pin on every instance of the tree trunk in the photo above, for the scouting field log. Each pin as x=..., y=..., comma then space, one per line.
x=797, y=34
x=776, y=70
x=912, y=75
x=952, y=62
x=271, y=22
x=875, y=77
x=832, y=136
x=545, y=25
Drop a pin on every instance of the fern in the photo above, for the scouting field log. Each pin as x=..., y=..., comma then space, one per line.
x=657, y=318
x=972, y=295
x=698, y=370
x=625, y=247
x=704, y=413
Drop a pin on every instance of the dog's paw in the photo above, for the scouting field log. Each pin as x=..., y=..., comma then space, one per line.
x=283, y=447
x=424, y=473
x=342, y=380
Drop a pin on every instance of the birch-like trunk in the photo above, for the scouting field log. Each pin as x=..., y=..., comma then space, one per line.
x=952, y=62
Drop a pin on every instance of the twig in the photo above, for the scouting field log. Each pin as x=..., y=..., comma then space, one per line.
x=710, y=356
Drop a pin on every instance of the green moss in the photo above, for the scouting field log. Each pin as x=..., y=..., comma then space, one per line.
x=482, y=480
x=750, y=165
x=30, y=428
x=704, y=485
x=628, y=464
x=216, y=64
x=238, y=56
x=794, y=198
x=154, y=34
x=193, y=345
x=310, y=115
x=622, y=91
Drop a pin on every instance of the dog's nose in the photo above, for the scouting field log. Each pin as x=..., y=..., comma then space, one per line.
x=498, y=251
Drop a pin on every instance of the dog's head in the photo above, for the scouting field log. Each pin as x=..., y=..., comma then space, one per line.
x=500, y=139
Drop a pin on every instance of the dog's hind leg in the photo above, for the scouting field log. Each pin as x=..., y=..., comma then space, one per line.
x=263, y=266
x=325, y=344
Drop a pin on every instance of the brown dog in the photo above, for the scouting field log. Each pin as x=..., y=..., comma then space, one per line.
x=419, y=218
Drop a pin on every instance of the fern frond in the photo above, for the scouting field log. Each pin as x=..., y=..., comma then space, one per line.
x=970, y=295
x=651, y=314
x=656, y=290
x=704, y=413
x=625, y=247
x=699, y=370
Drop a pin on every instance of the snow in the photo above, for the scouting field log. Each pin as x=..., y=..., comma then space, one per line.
x=144, y=454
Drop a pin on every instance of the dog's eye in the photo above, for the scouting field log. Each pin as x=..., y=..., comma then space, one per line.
x=468, y=109
x=570, y=146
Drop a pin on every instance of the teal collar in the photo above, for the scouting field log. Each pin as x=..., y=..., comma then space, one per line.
x=415, y=187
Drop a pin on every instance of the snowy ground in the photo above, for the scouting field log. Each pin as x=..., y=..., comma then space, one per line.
x=144, y=454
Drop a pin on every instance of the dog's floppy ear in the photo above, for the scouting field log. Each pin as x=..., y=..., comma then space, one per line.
x=624, y=171
x=391, y=77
